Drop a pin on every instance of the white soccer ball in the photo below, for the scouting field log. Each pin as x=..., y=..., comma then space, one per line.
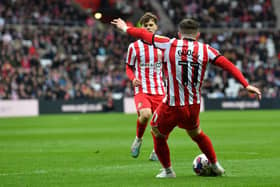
x=201, y=165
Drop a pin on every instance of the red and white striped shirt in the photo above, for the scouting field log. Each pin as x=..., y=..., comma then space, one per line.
x=147, y=62
x=186, y=62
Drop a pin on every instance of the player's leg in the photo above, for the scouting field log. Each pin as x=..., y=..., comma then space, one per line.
x=161, y=127
x=144, y=113
x=163, y=153
x=206, y=146
x=156, y=100
x=142, y=121
x=202, y=140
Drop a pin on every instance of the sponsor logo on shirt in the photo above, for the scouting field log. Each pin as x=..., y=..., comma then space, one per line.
x=156, y=65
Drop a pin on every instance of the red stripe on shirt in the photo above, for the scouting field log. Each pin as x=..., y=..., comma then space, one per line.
x=129, y=56
x=155, y=72
x=185, y=58
x=147, y=69
x=136, y=46
x=162, y=69
x=172, y=58
x=204, y=64
x=195, y=60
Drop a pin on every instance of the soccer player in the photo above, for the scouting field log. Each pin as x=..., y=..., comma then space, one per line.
x=186, y=64
x=144, y=69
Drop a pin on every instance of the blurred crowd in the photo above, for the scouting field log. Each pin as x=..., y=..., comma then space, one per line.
x=223, y=13
x=53, y=63
x=256, y=54
x=60, y=63
x=41, y=12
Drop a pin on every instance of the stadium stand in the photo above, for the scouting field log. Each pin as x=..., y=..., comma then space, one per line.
x=51, y=12
x=255, y=54
x=223, y=13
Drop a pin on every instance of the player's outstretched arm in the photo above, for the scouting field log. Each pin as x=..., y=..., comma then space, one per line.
x=141, y=33
x=224, y=63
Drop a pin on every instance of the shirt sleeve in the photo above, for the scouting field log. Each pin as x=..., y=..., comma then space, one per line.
x=158, y=41
x=213, y=54
x=130, y=56
x=161, y=42
x=129, y=72
x=225, y=64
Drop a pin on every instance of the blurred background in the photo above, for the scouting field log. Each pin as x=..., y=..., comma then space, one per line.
x=64, y=56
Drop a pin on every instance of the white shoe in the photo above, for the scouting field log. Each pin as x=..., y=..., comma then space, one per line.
x=135, y=147
x=217, y=169
x=153, y=156
x=166, y=173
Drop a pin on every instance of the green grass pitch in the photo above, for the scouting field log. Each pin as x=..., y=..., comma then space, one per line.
x=94, y=150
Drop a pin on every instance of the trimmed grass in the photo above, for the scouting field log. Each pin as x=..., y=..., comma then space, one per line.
x=94, y=150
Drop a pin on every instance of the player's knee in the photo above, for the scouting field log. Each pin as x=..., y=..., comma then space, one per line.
x=156, y=133
x=194, y=132
x=145, y=115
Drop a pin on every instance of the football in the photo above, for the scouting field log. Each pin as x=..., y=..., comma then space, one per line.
x=201, y=165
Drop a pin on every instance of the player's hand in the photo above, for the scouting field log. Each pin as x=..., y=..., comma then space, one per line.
x=120, y=24
x=255, y=90
x=136, y=82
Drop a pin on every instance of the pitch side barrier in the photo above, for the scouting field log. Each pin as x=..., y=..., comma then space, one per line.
x=241, y=104
x=19, y=108
x=33, y=107
x=80, y=106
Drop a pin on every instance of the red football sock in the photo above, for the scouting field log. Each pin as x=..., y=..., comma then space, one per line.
x=206, y=146
x=162, y=150
x=140, y=129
